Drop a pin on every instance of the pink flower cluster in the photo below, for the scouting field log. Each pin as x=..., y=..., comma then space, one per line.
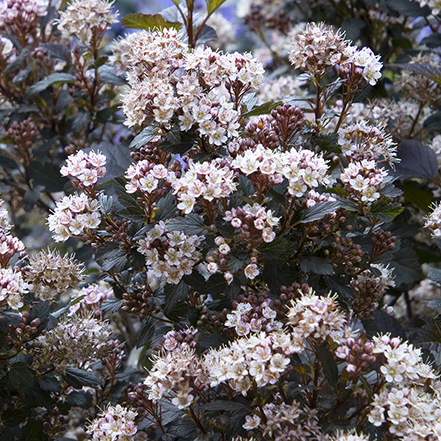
x=144, y=176
x=363, y=181
x=74, y=215
x=9, y=245
x=168, y=82
x=13, y=12
x=114, y=424
x=170, y=254
x=245, y=320
x=91, y=298
x=87, y=168
x=12, y=288
x=208, y=181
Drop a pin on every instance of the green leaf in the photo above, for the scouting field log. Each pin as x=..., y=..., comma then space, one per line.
x=212, y=5
x=329, y=365
x=174, y=294
x=112, y=305
x=319, y=211
x=80, y=398
x=144, y=137
x=317, y=265
x=55, y=78
x=190, y=224
x=47, y=175
x=386, y=211
x=148, y=22
x=21, y=377
x=421, y=198
x=78, y=378
x=434, y=274
x=279, y=249
x=107, y=74
x=262, y=109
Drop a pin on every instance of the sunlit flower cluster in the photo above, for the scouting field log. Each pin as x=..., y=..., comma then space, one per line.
x=363, y=181
x=74, y=215
x=200, y=89
x=87, y=20
x=315, y=317
x=91, y=298
x=433, y=221
x=205, y=181
x=114, y=424
x=256, y=222
x=362, y=140
x=12, y=288
x=404, y=364
x=9, y=245
x=319, y=47
x=243, y=319
x=50, y=275
x=287, y=422
x=145, y=176
x=86, y=167
x=412, y=413
x=77, y=343
x=170, y=254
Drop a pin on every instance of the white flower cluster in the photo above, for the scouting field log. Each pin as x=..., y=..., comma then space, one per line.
x=173, y=371
x=77, y=342
x=86, y=20
x=361, y=140
x=12, y=288
x=170, y=254
x=257, y=216
x=403, y=364
x=286, y=422
x=86, y=167
x=9, y=245
x=350, y=437
x=279, y=88
x=315, y=317
x=243, y=323
x=412, y=413
x=207, y=180
x=115, y=424
x=169, y=82
x=261, y=357
x=90, y=298
x=145, y=176
x=27, y=10
x=433, y=221
x=363, y=180
x=5, y=225
x=51, y=275
x=318, y=48
x=73, y=216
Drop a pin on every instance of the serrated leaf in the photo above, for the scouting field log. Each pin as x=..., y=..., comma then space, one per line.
x=174, y=294
x=407, y=269
x=55, y=78
x=144, y=137
x=80, y=398
x=50, y=383
x=426, y=69
x=145, y=333
x=212, y=5
x=384, y=210
x=21, y=377
x=434, y=274
x=46, y=175
x=319, y=211
x=58, y=51
x=112, y=305
x=78, y=378
x=430, y=332
x=148, y=22
x=107, y=74
x=166, y=207
x=191, y=224
x=329, y=365
x=263, y=109
x=278, y=249
x=317, y=265
x=417, y=161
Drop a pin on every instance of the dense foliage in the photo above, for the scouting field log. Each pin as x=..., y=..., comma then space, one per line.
x=240, y=215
